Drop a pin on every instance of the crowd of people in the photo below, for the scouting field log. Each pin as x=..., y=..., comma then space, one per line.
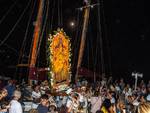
x=104, y=96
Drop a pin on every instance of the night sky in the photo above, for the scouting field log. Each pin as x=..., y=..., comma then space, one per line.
x=125, y=31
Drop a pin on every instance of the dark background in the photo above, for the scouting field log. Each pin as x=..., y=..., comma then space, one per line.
x=125, y=30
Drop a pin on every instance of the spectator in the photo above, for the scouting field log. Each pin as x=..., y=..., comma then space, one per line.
x=36, y=94
x=10, y=89
x=43, y=106
x=15, y=106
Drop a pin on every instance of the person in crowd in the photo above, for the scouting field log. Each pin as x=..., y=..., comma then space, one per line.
x=122, y=84
x=83, y=101
x=36, y=94
x=121, y=106
x=117, y=88
x=110, y=80
x=10, y=89
x=4, y=105
x=53, y=108
x=142, y=84
x=44, y=104
x=148, y=85
x=96, y=102
x=50, y=97
x=3, y=93
x=105, y=106
x=105, y=95
x=44, y=87
x=15, y=105
x=73, y=103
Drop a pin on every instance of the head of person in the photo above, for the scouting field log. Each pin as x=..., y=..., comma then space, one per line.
x=83, y=88
x=107, y=103
x=10, y=82
x=36, y=88
x=53, y=107
x=44, y=100
x=17, y=95
x=48, y=92
x=46, y=83
x=4, y=93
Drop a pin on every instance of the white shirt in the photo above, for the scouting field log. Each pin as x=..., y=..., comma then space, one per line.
x=83, y=99
x=148, y=97
x=15, y=107
x=42, y=89
x=71, y=104
x=64, y=101
x=36, y=94
x=96, y=104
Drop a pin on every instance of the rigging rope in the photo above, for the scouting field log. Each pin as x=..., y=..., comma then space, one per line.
x=5, y=39
x=12, y=48
x=94, y=58
x=26, y=33
x=96, y=52
x=88, y=48
x=10, y=9
x=58, y=13
x=90, y=40
x=106, y=36
x=77, y=31
x=77, y=39
x=53, y=9
x=60, y=18
x=61, y=14
x=101, y=41
x=96, y=55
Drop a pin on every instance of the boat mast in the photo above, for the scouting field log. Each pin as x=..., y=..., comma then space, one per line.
x=36, y=36
x=83, y=36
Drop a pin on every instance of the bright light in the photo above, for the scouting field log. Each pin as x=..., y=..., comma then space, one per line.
x=92, y=6
x=72, y=24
